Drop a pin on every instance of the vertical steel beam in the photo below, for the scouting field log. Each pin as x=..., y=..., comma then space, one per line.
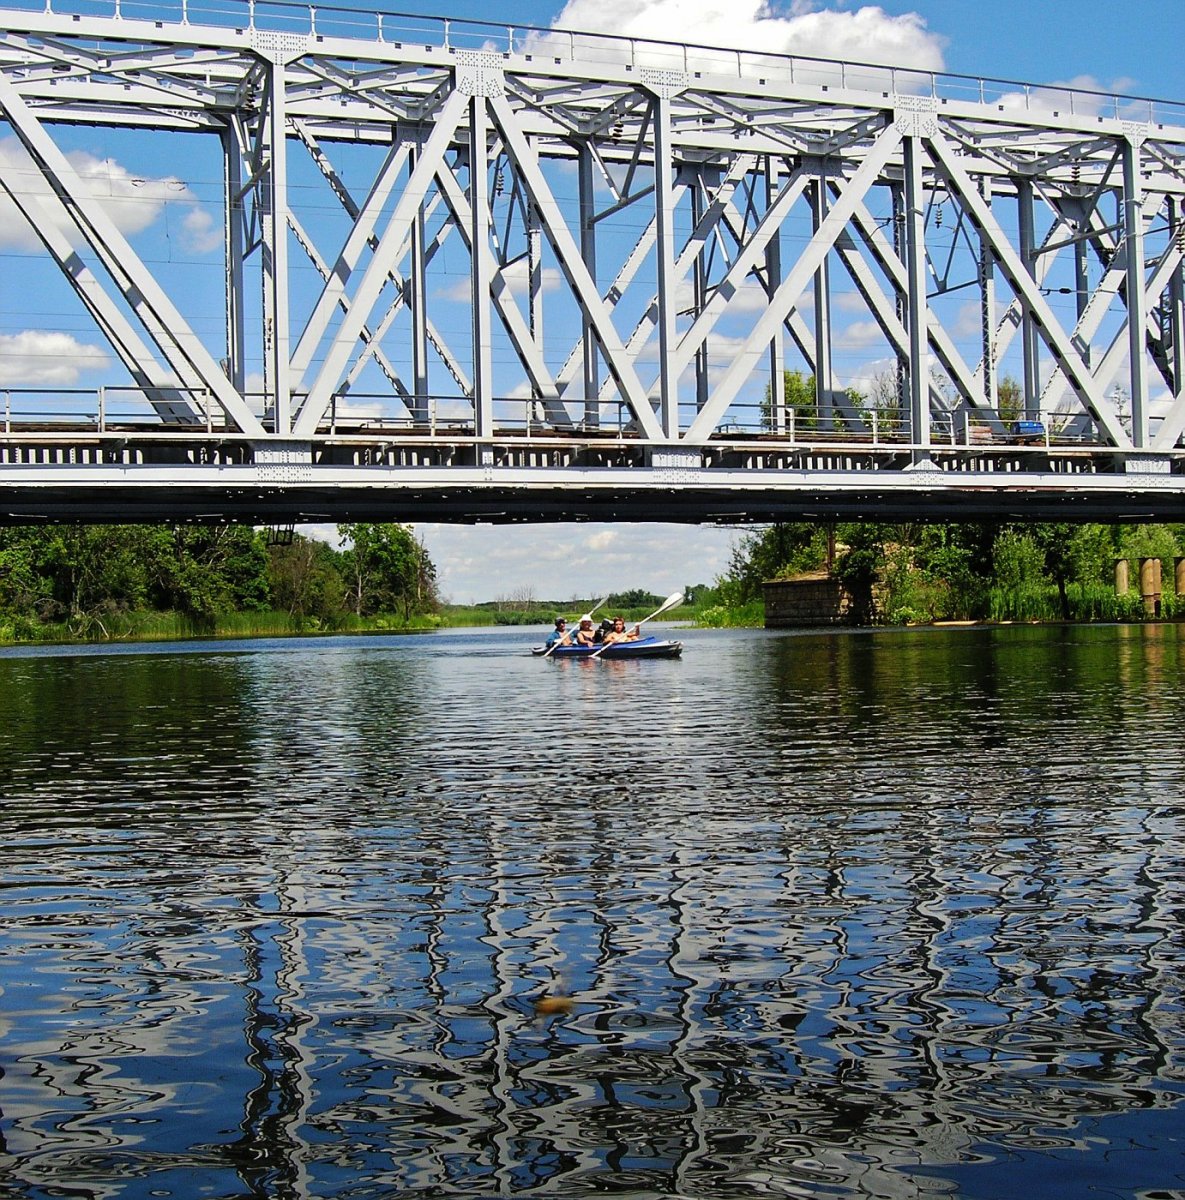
x=1030, y=347
x=919, y=314
x=418, y=305
x=897, y=197
x=987, y=307
x=588, y=253
x=773, y=277
x=824, y=381
x=479, y=241
x=699, y=292
x=1137, y=309
x=534, y=274
x=1081, y=293
x=232, y=211
x=275, y=251
x=1176, y=299
x=664, y=202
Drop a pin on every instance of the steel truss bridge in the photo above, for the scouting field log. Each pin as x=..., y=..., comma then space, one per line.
x=472, y=272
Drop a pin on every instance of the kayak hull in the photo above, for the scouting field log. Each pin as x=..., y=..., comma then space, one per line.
x=650, y=647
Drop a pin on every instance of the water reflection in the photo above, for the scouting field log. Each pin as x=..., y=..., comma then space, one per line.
x=843, y=915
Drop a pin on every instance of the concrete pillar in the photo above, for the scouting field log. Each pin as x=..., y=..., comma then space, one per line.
x=1150, y=586
x=1121, y=581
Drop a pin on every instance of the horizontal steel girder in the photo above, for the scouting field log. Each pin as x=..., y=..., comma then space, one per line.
x=469, y=495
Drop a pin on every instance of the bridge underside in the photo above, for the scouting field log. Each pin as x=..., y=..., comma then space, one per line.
x=461, y=495
x=471, y=273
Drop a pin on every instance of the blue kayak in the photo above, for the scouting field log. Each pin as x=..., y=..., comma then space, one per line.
x=648, y=647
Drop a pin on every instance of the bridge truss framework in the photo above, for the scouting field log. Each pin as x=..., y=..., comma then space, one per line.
x=684, y=224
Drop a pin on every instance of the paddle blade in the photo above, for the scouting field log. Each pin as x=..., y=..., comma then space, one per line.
x=672, y=601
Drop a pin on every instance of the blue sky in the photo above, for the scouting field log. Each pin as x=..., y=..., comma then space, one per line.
x=1133, y=47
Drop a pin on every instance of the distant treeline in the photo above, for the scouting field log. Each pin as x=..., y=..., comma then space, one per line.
x=526, y=609
x=984, y=570
x=65, y=582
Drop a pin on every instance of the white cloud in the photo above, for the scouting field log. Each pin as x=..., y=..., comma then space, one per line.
x=858, y=334
x=1083, y=96
x=867, y=34
x=133, y=202
x=864, y=379
x=563, y=562
x=202, y=233
x=848, y=302
x=460, y=290
x=46, y=358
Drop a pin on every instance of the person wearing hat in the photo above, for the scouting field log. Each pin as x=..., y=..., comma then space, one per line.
x=559, y=634
x=586, y=635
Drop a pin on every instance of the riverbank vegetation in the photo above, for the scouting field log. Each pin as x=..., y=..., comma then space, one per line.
x=75, y=583
x=981, y=571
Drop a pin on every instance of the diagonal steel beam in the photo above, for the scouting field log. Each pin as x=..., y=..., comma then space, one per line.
x=528, y=350
x=749, y=255
x=884, y=310
x=1028, y=290
x=162, y=391
x=385, y=257
x=178, y=343
x=784, y=299
x=1098, y=306
x=360, y=236
x=579, y=280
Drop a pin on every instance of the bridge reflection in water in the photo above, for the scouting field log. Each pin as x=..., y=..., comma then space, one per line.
x=812, y=948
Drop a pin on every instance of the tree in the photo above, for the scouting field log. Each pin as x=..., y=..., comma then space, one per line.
x=798, y=395
x=1010, y=401
x=206, y=570
x=305, y=579
x=783, y=549
x=861, y=566
x=386, y=568
x=1054, y=539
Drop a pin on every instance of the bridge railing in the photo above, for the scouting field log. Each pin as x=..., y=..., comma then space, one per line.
x=562, y=45
x=178, y=413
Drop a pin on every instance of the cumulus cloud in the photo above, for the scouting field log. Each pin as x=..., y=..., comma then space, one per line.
x=866, y=34
x=857, y=334
x=459, y=290
x=1084, y=96
x=563, y=562
x=133, y=202
x=46, y=358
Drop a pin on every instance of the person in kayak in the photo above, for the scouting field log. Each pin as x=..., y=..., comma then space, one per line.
x=559, y=634
x=586, y=635
x=619, y=633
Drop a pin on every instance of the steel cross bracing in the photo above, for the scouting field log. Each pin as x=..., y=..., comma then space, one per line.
x=471, y=272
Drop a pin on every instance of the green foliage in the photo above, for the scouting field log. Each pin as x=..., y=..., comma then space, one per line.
x=634, y=598
x=67, y=582
x=387, y=569
x=960, y=570
x=798, y=396
x=777, y=552
x=720, y=616
x=1010, y=401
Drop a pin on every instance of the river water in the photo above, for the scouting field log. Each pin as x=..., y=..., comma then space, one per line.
x=859, y=914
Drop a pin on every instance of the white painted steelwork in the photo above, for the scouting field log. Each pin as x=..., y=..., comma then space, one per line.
x=683, y=223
